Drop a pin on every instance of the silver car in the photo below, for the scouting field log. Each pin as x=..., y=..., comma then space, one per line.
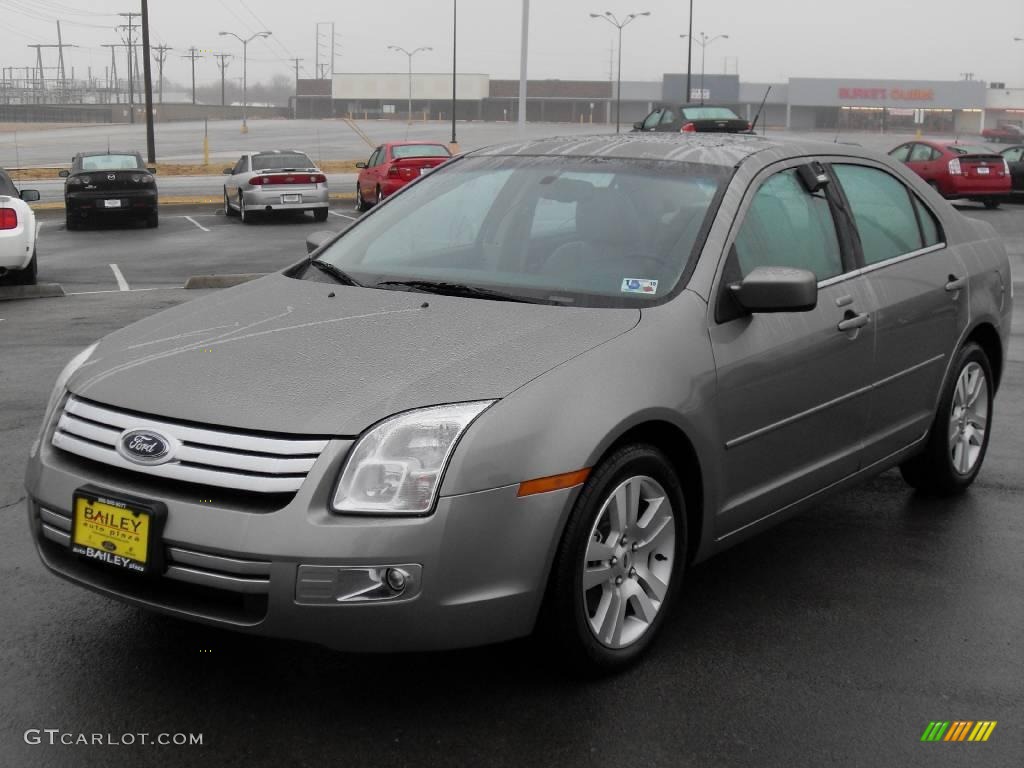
x=275, y=180
x=527, y=392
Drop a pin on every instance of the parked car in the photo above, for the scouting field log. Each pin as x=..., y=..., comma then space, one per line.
x=693, y=118
x=109, y=184
x=957, y=170
x=1014, y=157
x=18, y=232
x=529, y=392
x=1010, y=134
x=393, y=165
x=275, y=180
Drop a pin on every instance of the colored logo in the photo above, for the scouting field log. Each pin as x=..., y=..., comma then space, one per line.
x=959, y=730
x=144, y=447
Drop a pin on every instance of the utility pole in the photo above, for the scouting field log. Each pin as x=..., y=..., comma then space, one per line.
x=295, y=105
x=148, y=78
x=60, y=46
x=222, y=62
x=325, y=69
x=160, y=54
x=525, y=37
x=129, y=44
x=112, y=80
x=193, y=54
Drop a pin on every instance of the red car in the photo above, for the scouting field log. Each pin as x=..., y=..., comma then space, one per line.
x=1011, y=134
x=958, y=170
x=392, y=166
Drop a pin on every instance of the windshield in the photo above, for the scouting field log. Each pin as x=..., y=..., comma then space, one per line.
x=419, y=150
x=110, y=163
x=709, y=113
x=969, y=149
x=578, y=231
x=278, y=161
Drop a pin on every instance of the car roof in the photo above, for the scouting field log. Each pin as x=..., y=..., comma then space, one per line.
x=275, y=152
x=415, y=143
x=723, y=149
x=102, y=152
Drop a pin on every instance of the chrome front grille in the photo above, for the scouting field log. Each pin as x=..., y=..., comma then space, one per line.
x=215, y=457
x=233, y=574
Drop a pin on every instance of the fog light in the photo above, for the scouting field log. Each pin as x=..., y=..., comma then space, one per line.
x=396, y=579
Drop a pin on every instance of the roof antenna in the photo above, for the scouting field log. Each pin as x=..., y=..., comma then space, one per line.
x=753, y=125
x=108, y=143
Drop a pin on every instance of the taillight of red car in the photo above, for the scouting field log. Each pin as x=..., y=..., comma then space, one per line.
x=404, y=172
x=8, y=218
x=688, y=128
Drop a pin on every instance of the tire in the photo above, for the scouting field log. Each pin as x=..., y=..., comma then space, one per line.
x=27, y=276
x=361, y=204
x=70, y=221
x=640, y=583
x=956, y=446
x=228, y=210
x=320, y=214
x=991, y=204
x=153, y=219
x=243, y=214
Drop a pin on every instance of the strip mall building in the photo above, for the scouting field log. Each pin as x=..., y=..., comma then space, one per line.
x=801, y=103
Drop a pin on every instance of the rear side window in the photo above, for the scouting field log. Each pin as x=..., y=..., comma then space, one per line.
x=787, y=227
x=1013, y=155
x=882, y=210
x=930, y=229
x=668, y=117
x=920, y=153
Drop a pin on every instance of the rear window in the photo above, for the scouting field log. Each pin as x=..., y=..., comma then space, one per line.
x=111, y=163
x=970, y=149
x=7, y=186
x=419, y=150
x=280, y=161
x=709, y=113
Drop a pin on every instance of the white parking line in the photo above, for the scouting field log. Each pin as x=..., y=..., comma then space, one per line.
x=197, y=224
x=344, y=215
x=122, y=284
x=133, y=290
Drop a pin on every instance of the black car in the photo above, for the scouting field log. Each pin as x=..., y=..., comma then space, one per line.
x=693, y=118
x=1014, y=157
x=109, y=184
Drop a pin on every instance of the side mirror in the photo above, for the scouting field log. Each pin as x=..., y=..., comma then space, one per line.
x=63, y=173
x=777, y=289
x=361, y=165
x=151, y=170
x=228, y=171
x=30, y=195
x=316, y=239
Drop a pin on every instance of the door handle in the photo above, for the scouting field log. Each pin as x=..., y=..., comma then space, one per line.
x=853, y=322
x=955, y=284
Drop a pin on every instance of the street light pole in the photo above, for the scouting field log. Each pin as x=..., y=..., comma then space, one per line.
x=703, y=42
x=620, y=25
x=245, y=70
x=689, y=56
x=410, y=54
x=455, y=20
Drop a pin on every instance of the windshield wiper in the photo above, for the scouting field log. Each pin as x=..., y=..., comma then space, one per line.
x=338, y=274
x=460, y=289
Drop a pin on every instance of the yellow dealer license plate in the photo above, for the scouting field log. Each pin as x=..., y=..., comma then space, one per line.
x=119, y=532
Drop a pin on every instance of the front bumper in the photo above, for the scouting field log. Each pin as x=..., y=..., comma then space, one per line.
x=481, y=560
x=274, y=199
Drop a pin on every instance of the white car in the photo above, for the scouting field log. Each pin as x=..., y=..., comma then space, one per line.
x=17, y=232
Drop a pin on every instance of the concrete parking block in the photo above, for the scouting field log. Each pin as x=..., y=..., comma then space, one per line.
x=40, y=291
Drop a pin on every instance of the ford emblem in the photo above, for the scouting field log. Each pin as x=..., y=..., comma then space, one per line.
x=144, y=446
x=110, y=546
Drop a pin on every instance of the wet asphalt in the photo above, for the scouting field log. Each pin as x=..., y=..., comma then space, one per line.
x=833, y=639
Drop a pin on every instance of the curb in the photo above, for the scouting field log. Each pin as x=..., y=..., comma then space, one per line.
x=56, y=205
x=38, y=291
x=219, y=281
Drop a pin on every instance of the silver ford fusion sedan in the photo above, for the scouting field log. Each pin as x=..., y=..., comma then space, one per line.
x=526, y=393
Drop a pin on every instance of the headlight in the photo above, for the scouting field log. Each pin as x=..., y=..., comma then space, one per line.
x=58, y=392
x=396, y=467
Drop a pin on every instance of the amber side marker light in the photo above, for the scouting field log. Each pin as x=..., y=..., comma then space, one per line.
x=553, y=483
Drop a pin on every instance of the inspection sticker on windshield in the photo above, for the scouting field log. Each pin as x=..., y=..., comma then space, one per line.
x=638, y=285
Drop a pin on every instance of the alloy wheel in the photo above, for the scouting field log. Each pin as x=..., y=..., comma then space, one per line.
x=968, y=418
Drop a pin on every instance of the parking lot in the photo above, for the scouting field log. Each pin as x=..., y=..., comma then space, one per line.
x=832, y=639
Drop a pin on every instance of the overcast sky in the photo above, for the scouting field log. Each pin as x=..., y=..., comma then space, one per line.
x=768, y=41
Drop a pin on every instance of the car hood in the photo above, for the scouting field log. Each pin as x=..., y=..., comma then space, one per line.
x=283, y=355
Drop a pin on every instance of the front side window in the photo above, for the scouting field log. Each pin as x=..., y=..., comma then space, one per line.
x=902, y=154
x=785, y=226
x=584, y=232
x=652, y=119
x=110, y=163
x=882, y=210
